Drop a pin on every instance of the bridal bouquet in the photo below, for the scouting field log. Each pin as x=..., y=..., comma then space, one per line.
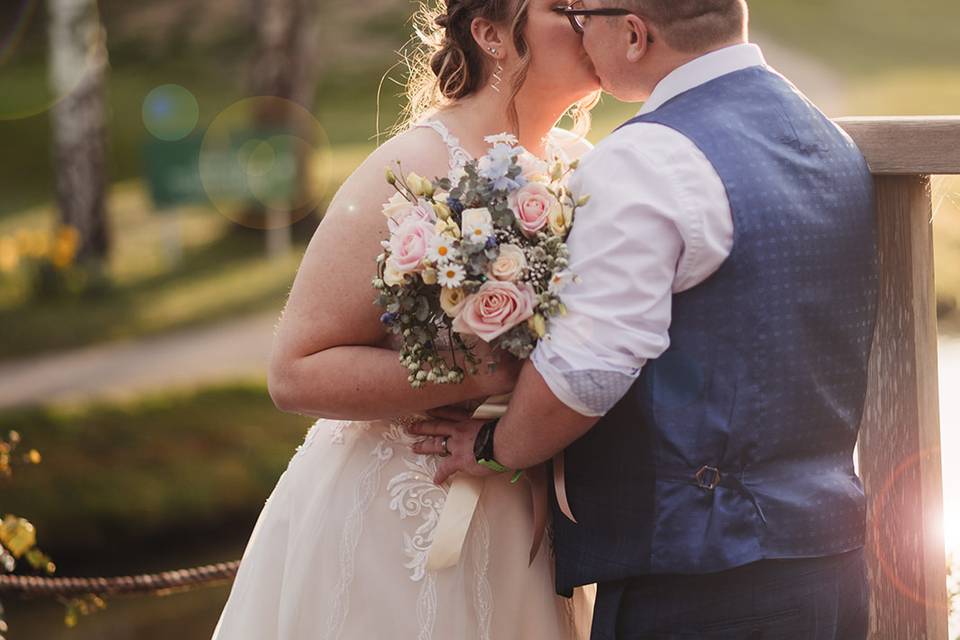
x=479, y=253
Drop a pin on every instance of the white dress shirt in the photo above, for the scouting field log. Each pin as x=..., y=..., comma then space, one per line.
x=658, y=222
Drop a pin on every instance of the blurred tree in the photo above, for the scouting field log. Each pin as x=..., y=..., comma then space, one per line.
x=78, y=66
x=286, y=61
x=285, y=65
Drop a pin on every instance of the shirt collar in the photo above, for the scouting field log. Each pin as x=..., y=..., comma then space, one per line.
x=702, y=70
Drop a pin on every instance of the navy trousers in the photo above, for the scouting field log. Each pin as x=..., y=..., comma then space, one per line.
x=796, y=599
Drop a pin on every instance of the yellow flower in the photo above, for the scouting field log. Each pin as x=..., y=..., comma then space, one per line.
x=17, y=534
x=538, y=325
x=559, y=220
x=443, y=211
x=41, y=244
x=65, y=246
x=419, y=185
x=448, y=228
x=429, y=276
x=9, y=256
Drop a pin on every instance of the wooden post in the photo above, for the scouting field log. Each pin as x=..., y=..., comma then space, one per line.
x=899, y=448
x=900, y=434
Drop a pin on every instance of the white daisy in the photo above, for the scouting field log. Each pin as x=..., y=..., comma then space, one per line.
x=441, y=249
x=476, y=225
x=561, y=279
x=450, y=275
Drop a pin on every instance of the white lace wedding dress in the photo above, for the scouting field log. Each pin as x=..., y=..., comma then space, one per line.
x=339, y=551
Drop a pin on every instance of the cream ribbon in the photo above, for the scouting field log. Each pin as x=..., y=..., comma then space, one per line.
x=465, y=491
x=461, y=502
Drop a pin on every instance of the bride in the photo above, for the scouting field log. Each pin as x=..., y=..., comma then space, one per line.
x=340, y=548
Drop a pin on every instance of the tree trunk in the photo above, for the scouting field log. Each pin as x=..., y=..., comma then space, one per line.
x=287, y=46
x=78, y=65
x=286, y=66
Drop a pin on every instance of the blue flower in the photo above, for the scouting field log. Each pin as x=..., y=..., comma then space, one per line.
x=388, y=318
x=505, y=183
x=497, y=162
x=491, y=243
x=455, y=205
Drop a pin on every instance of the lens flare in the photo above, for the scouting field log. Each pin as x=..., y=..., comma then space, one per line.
x=170, y=112
x=265, y=155
x=42, y=62
x=911, y=583
x=14, y=26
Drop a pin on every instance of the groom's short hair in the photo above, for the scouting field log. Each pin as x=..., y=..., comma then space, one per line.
x=693, y=26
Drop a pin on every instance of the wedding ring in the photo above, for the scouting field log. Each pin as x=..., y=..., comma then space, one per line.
x=446, y=450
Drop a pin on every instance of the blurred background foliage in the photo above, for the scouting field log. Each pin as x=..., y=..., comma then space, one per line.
x=172, y=478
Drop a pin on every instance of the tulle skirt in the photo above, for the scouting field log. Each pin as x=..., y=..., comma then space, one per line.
x=340, y=551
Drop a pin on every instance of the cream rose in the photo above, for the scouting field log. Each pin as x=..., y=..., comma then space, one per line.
x=451, y=300
x=390, y=274
x=533, y=168
x=495, y=309
x=531, y=204
x=409, y=245
x=510, y=264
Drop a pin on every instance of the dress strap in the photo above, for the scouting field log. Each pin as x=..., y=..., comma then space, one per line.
x=458, y=155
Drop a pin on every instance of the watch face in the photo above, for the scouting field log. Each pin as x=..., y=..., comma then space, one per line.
x=483, y=445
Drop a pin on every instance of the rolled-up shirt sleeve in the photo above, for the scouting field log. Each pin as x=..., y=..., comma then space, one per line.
x=644, y=220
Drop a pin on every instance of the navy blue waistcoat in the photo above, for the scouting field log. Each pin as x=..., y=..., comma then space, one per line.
x=736, y=444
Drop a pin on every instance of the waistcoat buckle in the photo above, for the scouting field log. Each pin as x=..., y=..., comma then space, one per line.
x=707, y=477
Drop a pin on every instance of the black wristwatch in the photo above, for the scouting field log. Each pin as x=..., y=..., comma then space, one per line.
x=483, y=449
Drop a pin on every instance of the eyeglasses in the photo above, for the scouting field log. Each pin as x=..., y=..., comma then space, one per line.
x=578, y=17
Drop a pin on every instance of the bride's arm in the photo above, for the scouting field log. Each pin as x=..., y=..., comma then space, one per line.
x=325, y=360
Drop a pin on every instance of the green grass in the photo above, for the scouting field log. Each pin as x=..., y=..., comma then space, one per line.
x=221, y=275
x=865, y=36
x=114, y=474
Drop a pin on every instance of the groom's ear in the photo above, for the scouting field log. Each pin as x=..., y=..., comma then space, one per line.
x=638, y=38
x=487, y=36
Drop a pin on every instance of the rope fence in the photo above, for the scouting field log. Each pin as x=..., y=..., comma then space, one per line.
x=150, y=583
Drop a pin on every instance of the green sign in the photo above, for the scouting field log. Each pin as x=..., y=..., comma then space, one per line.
x=245, y=167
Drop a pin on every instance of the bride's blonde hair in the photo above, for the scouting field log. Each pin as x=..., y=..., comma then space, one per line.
x=444, y=62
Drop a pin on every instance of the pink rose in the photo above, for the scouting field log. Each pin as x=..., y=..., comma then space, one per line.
x=409, y=244
x=532, y=204
x=495, y=309
x=398, y=210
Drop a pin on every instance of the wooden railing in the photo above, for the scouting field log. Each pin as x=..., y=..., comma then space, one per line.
x=899, y=447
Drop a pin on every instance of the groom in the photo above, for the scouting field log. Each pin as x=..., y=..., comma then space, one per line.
x=708, y=380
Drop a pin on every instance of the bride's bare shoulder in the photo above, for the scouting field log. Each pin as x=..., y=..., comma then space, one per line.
x=419, y=149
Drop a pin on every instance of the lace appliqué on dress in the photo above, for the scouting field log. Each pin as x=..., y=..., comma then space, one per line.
x=483, y=594
x=336, y=432
x=427, y=607
x=458, y=155
x=413, y=494
x=367, y=487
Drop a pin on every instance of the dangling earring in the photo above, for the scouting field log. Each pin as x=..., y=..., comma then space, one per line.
x=497, y=74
